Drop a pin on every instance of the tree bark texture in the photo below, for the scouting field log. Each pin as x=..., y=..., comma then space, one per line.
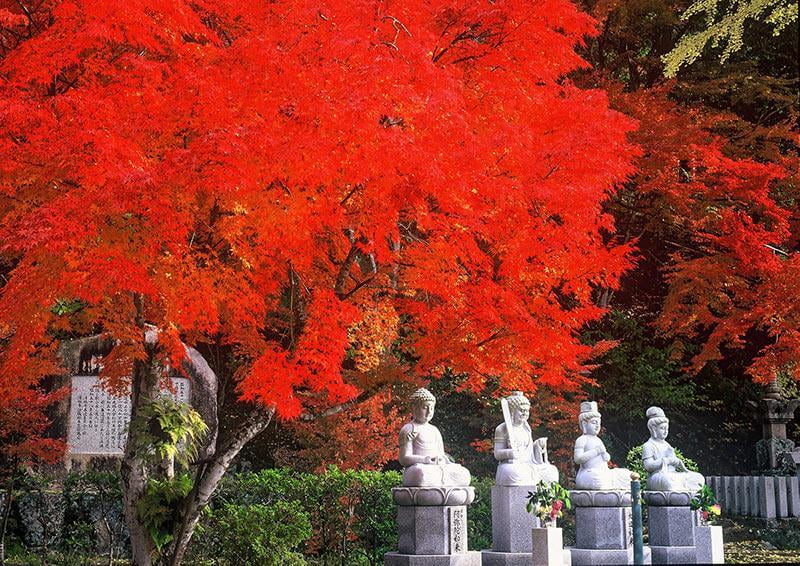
x=208, y=477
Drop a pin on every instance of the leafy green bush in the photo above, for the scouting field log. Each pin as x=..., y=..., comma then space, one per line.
x=633, y=461
x=479, y=517
x=254, y=534
x=351, y=512
x=158, y=508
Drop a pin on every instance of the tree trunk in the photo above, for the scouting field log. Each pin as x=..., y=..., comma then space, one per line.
x=144, y=389
x=208, y=478
x=7, y=501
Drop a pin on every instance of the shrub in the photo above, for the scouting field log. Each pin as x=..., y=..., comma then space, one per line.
x=351, y=512
x=479, y=517
x=254, y=534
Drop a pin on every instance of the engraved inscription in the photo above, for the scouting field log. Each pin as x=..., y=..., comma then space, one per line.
x=458, y=530
x=98, y=421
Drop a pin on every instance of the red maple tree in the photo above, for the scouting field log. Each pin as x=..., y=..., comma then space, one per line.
x=729, y=234
x=281, y=177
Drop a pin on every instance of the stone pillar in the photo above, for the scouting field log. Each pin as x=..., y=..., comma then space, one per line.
x=603, y=529
x=781, y=501
x=793, y=496
x=432, y=527
x=548, y=548
x=766, y=497
x=511, y=527
x=710, y=549
x=672, y=525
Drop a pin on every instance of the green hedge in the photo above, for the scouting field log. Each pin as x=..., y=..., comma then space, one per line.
x=351, y=513
x=275, y=516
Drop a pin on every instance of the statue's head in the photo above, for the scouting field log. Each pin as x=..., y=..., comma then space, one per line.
x=519, y=406
x=423, y=404
x=657, y=423
x=589, y=418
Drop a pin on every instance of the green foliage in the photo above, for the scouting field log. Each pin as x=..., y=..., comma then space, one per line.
x=724, y=28
x=706, y=502
x=168, y=429
x=633, y=461
x=67, y=306
x=636, y=374
x=479, y=518
x=548, y=500
x=255, y=534
x=789, y=386
x=351, y=512
x=158, y=507
x=94, y=498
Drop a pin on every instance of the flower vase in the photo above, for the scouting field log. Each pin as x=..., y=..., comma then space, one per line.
x=548, y=544
x=549, y=523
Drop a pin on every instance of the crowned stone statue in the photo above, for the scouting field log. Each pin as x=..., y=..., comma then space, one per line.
x=522, y=460
x=666, y=471
x=422, y=450
x=592, y=457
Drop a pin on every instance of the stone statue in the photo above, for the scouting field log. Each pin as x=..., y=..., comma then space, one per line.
x=522, y=461
x=666, y=471
x=422, y=450
x=592, y=457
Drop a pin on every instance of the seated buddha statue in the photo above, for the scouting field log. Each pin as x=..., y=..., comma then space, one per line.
x=522, y=460
x=422, y=450
x=592, y=457
x=666, y=471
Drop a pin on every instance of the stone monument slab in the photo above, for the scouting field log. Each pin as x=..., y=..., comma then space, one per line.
x=730, y=494
x=738, y=488
x=793, y=496
x=98, y=420
x=752, y=485
x=781, y=501
x=766, y=497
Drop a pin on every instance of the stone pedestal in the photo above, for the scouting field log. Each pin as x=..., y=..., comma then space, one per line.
x=710, y=549
x=511, y=522
x=672, y=525
x=432, y=526
x=511, y=527
x=603, y=528
x=548, y=547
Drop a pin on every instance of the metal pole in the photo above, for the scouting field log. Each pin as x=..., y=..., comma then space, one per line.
x=636, y=504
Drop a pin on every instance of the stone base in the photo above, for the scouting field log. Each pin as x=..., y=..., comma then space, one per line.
x=671, y=526
x=603, y=528
x=472, y=558
x=592, y=556
x=492, y=558
x=430, y=530
x=511, y=523
x=710, y=549
x=674, y=554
